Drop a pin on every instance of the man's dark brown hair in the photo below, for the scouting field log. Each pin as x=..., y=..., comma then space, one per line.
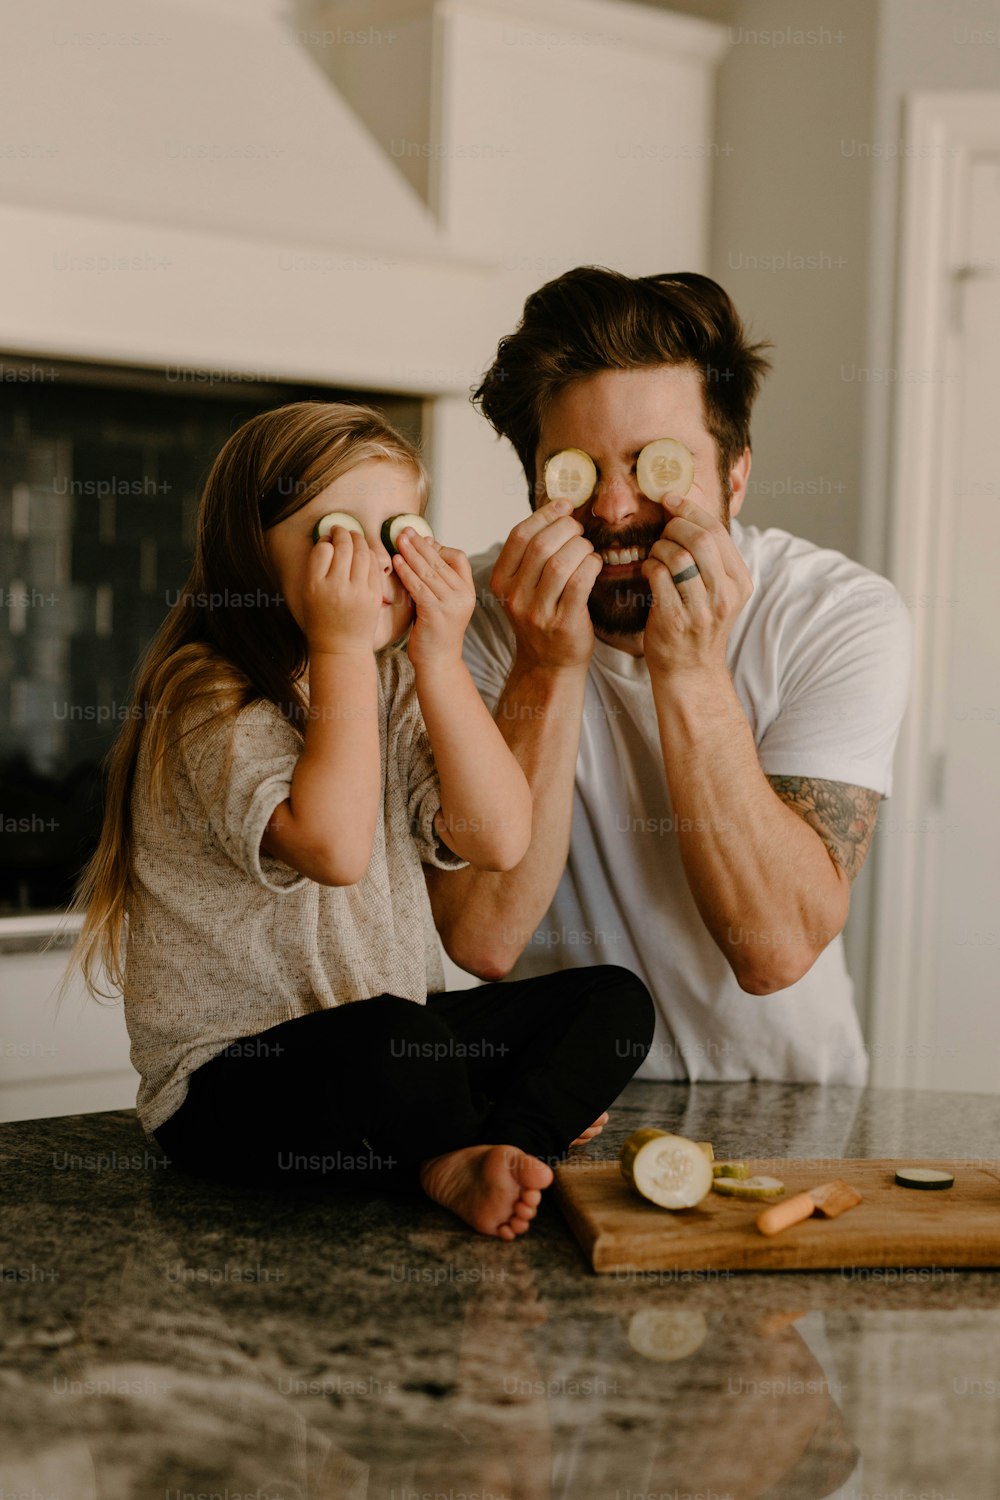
x=592, y=319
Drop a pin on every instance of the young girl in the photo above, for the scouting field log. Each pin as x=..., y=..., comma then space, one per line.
x=287, y=767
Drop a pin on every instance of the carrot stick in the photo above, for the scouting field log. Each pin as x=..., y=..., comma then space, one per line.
x=783, y=1215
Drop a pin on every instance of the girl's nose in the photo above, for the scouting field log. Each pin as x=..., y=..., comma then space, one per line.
x=382, y=555
x=616, y=499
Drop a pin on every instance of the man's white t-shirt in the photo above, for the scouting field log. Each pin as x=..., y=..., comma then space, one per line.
x=820, y=660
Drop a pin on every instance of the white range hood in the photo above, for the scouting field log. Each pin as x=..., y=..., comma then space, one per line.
x=358, y=194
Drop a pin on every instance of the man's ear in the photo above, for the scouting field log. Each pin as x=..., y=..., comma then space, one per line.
x=739, y=478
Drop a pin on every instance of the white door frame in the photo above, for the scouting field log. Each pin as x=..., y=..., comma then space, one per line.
x=943, y=131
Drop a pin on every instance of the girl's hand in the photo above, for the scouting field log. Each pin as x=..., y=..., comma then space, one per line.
x=439, y=580
x=343, y=594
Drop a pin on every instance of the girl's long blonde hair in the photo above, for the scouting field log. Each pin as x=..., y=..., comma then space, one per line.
x=229, y=637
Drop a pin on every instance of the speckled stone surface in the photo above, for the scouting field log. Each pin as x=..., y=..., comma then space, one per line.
x=166, y=1336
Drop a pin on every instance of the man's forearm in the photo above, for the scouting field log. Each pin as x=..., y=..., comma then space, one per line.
x=764, y=882
x=486, y=918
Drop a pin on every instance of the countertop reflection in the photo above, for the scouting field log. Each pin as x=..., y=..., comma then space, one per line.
x=170, y=1337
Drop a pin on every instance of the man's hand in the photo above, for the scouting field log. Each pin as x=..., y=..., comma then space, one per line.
x=689, y=622
x=543, y=578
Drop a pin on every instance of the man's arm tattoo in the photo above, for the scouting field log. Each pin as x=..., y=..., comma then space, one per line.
x=844, y=816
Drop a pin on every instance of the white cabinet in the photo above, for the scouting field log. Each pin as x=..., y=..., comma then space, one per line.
x=71, y=1061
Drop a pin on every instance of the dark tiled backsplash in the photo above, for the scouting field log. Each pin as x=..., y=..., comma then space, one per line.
x=99, y=489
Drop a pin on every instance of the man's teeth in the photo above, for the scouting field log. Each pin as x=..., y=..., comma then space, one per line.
x=615, y=559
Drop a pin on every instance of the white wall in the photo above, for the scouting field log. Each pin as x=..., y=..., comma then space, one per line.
x=810, y=101
x=554, y=133
x=922, y=44
x=790, y=241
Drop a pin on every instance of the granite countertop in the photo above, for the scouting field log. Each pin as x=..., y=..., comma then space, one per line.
x=168, y=1337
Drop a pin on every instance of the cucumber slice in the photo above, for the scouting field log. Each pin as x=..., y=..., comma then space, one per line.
x=736, y=1169
x=669, y=1170
x=570, y=475
x=396, y=524
x=667, y=1333
x=664, y=467
x=763, y=1188
x=337, y=518
x=708, y=1149
x=927, y=1178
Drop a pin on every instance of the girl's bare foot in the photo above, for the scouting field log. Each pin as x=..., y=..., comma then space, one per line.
x=591, y=1131
x=495, y=1189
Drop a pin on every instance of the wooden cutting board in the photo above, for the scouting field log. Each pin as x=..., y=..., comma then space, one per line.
x=893, y=1226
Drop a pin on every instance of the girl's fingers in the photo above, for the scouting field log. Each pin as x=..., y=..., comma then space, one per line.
x=340, y=552
x=413, y=584
x=362, y=557
x=421, y=556
x=456, y=558
x=320, y=560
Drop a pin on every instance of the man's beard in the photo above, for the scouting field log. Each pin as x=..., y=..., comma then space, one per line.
x=621, y=606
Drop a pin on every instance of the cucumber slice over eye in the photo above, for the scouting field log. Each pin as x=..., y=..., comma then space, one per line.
x=664, y=467
x=570, y=475
x=669, y=1170
x=763, y=1188
x=336, y=518
x=927, y=1178
x=396, y=524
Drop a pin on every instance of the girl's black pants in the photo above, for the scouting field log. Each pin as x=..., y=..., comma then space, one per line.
x=362, y=1093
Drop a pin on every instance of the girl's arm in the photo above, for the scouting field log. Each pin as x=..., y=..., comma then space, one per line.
x=326, y=827
x=485, y=812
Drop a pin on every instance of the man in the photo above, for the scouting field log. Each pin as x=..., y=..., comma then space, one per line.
x=706, y=712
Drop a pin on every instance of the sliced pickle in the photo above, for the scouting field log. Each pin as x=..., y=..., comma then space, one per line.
x=762, y=1188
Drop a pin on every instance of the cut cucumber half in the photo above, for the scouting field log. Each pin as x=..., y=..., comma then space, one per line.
x=736, y=1169
x=669, y=1170
x=396, y=524
x=928, y=1178
x=570, y=475
x=664, y=467
x=762, y=1188
x=667, y=1333
x=336, y=518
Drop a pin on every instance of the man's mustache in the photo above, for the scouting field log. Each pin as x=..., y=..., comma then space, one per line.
x=622, y=540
